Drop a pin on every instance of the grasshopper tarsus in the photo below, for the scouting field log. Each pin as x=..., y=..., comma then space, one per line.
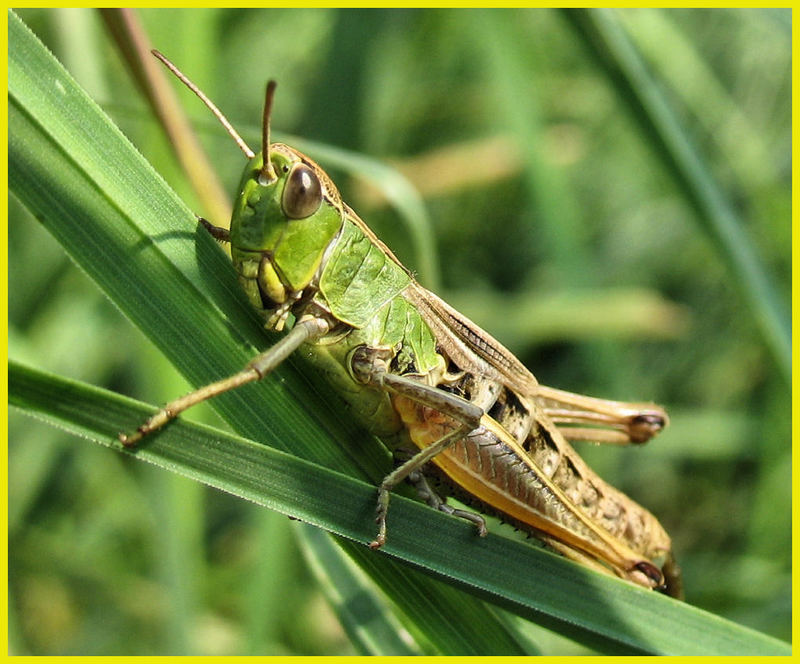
x=132, y=440
x=380, y=518
x=476, y=519
x=380, y=538
x=162, y=417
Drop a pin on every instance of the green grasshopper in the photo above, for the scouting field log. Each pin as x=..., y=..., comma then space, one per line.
x=462, y=415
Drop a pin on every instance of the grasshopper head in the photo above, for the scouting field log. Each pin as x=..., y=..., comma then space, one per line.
x=287, y=213
x=281, y=226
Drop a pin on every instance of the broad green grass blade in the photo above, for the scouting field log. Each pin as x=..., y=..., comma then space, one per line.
x=532, y=583
x=117, y=219
x=605, y=37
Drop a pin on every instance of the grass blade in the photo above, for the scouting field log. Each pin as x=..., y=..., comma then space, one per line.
x=371, y=627
x=603, y=35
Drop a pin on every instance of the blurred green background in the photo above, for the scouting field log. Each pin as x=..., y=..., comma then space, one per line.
x=558, y=226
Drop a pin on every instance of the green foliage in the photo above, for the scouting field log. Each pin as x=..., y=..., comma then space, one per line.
x=107, y=556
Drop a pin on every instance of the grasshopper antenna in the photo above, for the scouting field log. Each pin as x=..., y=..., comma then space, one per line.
x=267, y=174
x=209, y=104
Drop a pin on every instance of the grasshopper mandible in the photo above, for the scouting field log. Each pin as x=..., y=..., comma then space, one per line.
x=460, y=410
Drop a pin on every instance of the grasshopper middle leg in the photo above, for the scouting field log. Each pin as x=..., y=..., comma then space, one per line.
x=429, y=495
x=370, y=368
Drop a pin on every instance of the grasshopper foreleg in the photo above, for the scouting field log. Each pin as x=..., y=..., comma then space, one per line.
x=256, y=369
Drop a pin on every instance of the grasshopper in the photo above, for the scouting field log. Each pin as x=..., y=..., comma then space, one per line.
x=461, y=414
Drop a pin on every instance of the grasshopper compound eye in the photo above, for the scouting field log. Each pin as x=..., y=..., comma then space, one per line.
x=303, y=193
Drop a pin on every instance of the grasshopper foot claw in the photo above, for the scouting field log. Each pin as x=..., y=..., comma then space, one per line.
x=130, y=441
